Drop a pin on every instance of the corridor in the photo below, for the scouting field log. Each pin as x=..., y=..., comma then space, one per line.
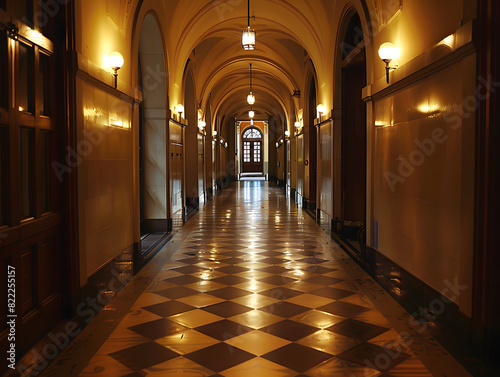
x=252, y=286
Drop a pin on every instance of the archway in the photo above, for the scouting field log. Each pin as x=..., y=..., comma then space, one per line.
x=311, y=159
x=153, y=163
x=252, y=154
x=194, y=169
x=353, y=148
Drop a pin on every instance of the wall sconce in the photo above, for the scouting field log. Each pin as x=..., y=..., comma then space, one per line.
x=115, y=62
x=251, y=114
x=225, y=144
x=287, y=133
x=201, y=125
x=281, y=141
x=277, y=145
x=180, y=109
x=215, y=133
x=221, y=141
x=297, y=125
x=321, y=110
x=12, y=31
x=387, y=53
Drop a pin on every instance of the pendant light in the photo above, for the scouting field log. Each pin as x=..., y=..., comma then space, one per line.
x=248, y=36
x=250, y=97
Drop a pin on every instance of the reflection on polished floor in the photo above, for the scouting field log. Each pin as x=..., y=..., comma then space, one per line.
x=254, y=287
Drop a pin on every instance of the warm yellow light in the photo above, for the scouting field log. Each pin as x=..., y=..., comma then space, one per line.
x=449, y=40
x=251, y=114
x=388, y=52
x=114, y=60
x=202, y=124
x=297, y=124
x=248, y=39
x=215, y=133
x=287, y=133
x=251, y=122
x=180, y=109
x=21, y=108
x=321, y=110
x=251, y=98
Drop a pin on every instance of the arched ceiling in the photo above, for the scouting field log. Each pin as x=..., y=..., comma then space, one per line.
x=209, y=34
x=290, y=35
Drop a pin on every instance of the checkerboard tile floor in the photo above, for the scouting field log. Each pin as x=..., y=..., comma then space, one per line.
x=254, y=291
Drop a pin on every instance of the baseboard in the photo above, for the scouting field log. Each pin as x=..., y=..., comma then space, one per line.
x=463, y=337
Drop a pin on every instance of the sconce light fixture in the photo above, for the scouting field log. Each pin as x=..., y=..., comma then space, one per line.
x=277, y=145
x=287, y=133
x=201, y=124
x=225, y=144
x=321, y=110
x=180, y=109
x=12, y=31
x=248, y=36
x=251, y=114
x=215, y=134
x=115, y=62
x=387, y=53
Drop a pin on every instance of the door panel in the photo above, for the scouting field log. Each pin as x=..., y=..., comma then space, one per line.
x=252, y=156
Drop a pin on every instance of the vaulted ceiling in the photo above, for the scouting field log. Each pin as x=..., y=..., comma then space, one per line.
x=208, y=35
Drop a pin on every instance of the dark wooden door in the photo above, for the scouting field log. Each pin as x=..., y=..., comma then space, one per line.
x=354, y=142
x=252, y=156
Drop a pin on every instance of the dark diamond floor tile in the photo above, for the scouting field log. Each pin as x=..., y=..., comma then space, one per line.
x=313, y=260
x=227, y=309
x=318, y=269
x=177, y=292
x=343, y=309
x=273, y=269
x=374, y=356
x=189, y=269
x=143, y=355
x=333, y=293
x=183, y=280
x=277, y=280
x=323, y=280
x=234, y=260
x=192, y=260
x=230, y=280
x=357, y=330
x=271, y=260
x=232, y=269
x=297, y=357
x=220, y=357
x=158, y=329
x=290, y=330
x=284, y=309
x=270, y=253
x=223, y=330
x=281, y=293
x=166, y=309
x=136, y=374
x=228, y=293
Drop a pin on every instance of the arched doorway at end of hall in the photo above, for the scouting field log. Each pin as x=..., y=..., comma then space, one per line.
x=252, y=156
